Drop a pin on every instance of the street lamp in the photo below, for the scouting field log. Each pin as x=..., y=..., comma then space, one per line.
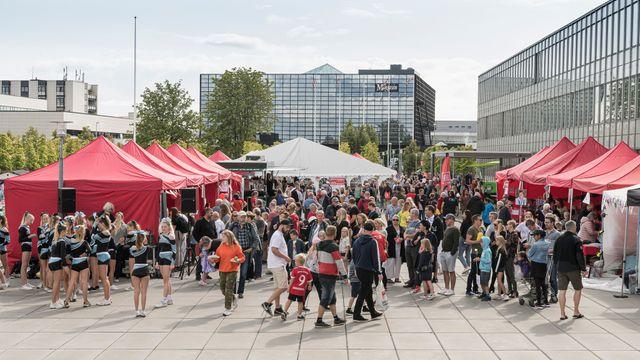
x=61, y=133
x=97, y=123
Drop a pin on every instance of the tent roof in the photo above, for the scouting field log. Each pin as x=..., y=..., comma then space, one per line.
x=302, y=157
x=586, y=151
x=156, y=150
x=103, y=164
x=625, y=175
x=504, y=174
x=193, y=151
x=357, y=155
x=217, y=156
x=544, y=156
x=605, y=163
x=135, y=150
x=205, y=165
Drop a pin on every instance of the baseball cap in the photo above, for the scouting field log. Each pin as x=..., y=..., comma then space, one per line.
x=242, y=213
x=285, y=222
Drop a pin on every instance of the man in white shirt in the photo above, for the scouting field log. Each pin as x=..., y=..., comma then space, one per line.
x=277, y=261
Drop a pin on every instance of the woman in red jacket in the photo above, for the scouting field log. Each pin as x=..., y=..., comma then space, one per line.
x=229, y=255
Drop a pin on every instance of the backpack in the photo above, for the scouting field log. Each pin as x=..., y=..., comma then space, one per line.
x=182, y=223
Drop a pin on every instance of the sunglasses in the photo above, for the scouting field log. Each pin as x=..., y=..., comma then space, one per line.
x=394, y=220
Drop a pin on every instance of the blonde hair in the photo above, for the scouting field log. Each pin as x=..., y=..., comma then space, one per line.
x=80, y=232
x=229, y=236
x=330, y=232
x=27, y=215
x=300, y=259
x=347, y=230
x=501, y=242
x=379, y=222
x=166, y=221
x=426, y=244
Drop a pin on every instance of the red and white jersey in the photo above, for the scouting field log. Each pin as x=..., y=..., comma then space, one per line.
x=300, y=279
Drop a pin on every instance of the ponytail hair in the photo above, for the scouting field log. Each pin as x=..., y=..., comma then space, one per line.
x=25, y=216
x=60, y=228
x=79, y=230
x=104, y=220
x=134, y=225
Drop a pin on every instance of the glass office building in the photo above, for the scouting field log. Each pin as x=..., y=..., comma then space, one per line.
x=580, y=81
x=317, y=104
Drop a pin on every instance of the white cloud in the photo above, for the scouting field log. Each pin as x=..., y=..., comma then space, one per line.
x=231, y=40
x=263, y=6
x=376, y=11
x=279, y=19
x=310, y=32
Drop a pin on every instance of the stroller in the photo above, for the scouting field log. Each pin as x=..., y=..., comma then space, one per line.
x=525, y=266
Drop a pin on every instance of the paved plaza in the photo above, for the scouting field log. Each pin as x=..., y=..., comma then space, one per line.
x=457, y=327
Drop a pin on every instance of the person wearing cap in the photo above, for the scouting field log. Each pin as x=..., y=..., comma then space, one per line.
x=538, y=255
x=448, y=255
x=246, y=234
x=277, y=261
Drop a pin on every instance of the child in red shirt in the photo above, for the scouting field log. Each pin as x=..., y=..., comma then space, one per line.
x=301, y=281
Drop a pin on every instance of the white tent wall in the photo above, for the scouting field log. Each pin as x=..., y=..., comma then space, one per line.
x=614, y=204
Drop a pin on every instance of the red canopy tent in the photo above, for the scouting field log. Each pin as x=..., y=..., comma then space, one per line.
x=145, y=157
x=625, y=175
x=217, y=156
x=358, y=156
x=100, y=172
x=504, y=174
x=584, y=153
x=205, y=165
x=236, y=178
x=605, y=163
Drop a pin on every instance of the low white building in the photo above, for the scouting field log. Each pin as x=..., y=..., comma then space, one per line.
x=455, y=132
x=60, y=95
x=18, y=114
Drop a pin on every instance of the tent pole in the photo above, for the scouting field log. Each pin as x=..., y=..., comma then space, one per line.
x=570, y=203
x=624, y=255
x=163, y=204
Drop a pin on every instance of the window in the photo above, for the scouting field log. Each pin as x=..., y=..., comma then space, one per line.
x=6, y=87
x=60, y=102
x=24, y=88
x=60, y=87
x=42, y=89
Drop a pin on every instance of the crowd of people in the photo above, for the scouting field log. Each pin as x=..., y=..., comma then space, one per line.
x=315, y=236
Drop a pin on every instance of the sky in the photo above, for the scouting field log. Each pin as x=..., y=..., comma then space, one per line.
x=448, y=42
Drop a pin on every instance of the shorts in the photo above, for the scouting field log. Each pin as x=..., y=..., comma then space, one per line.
x=140, y=272
x=79, y=265
x=103, y=258
x=355, y=289
x=485, y=276
x=280, y=278
x=45, y=255
x=573, y=277
x=26, y=247
x=55, y=263
x=328, y=292
x=165, y=258
x=296, y=298
x=448, y=261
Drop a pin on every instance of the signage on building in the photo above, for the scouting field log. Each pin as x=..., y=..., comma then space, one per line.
x=384, y=87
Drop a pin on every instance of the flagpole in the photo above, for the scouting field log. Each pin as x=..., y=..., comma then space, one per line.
x=135, y=100
x=389, y=122
x=314, y=109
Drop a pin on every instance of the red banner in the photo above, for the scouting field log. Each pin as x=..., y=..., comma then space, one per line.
x=445, y=173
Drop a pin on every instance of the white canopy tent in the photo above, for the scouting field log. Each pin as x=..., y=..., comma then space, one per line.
x=304, y=158
x=621, y=219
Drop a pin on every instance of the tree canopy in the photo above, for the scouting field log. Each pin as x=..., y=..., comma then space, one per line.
x=165, y=115
x=358, y=136
x=371, y=153
x=239, y=108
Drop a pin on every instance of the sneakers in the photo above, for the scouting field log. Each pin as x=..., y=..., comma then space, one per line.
x=48, y=290
x=486, y=297
x=104, y=302
x=322, y=324
x=283, y=316
x=443, y=291
x=267, y=308
x=161, y=304
x=240, y=296
x=227, y=312
x=169, y=300
x=140, y=314
x=505, y=297
x=415, y=290
x=202, y=283
x=114, y=287
x=450, y=293
x=86, y=304
x=39, y=286
x=376, y=315
x=27, y=286
x=278, y=311
x=359, y=318
x=469, y=293
x=337, y=321
x=300, y=317
x=56, y=306
x=349, y=311
x=431, y=297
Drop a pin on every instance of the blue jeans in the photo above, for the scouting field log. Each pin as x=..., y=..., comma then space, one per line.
x=464, y=253
x=257, y=263
x=244, y=267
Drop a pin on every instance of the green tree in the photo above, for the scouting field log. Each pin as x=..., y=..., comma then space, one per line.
x=358, y=136
x=165, y=115
x=250, y=146
x=371, y=153
x=345, y=148
x=7, y=149
x=86, y=135
x=32, y=143
x=411, y=157
x=426, y=159
x=18, y=158
x=239, y=107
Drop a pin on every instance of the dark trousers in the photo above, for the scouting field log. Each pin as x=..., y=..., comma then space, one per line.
x=472, y=284
x=384, y=278
x=509, y=270
x=122, y=255
x=366, y=278
x=539, y=271
x=411, y=254
x=257, y=264
x=316, y=284
x=198, y=269
x=244, y=268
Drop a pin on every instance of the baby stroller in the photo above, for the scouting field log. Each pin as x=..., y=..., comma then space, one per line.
x=528, y=281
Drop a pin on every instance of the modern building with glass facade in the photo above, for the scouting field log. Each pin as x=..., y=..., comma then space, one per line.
x=580, y=81
x=317, y=104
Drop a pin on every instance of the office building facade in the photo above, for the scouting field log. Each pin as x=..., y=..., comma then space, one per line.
x=60, y=95
x=582, y=80
x=317, y=104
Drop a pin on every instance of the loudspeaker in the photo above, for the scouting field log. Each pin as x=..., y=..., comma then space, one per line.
x=67, y=200
x=188, y=204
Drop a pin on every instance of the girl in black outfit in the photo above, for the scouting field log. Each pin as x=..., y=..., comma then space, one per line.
x=4, y=241
x=139, y=272
x=79, y=250
x=56, y=260
x=43, y=250
x=91, y=229
x=103, y=242
x=129, y=242
x=25, y=237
